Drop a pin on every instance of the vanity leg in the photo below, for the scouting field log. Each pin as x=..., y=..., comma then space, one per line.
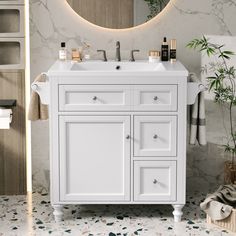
x=177, y=212
x=58, y=212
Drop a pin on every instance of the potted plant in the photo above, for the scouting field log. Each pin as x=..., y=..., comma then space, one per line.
x=223, y=84
x=155, y=6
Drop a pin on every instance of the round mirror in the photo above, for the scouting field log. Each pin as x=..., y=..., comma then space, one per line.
x=118, y=14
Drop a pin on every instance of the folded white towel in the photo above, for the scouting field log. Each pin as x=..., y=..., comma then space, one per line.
x=5, y=112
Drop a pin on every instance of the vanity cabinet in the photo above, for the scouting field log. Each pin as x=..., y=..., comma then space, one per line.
x=118, y=143
x=117, y=137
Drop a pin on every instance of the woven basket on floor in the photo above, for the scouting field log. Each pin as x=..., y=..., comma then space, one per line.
x=228, y=223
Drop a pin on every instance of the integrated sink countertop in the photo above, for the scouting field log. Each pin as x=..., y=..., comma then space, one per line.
x=118, y=68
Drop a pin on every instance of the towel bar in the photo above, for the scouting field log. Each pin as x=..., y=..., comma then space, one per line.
x=194, y=89
x=7, y=103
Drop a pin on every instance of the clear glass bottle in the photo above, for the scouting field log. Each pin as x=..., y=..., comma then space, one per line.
x=86, y=51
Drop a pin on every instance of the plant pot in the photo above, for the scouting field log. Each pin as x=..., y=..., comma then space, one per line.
x=229, y=173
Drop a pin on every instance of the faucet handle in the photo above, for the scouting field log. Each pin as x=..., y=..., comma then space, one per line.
x=104, y=54
x=132, y=54
x=117, y=44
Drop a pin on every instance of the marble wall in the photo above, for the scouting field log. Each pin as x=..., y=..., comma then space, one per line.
x=53, y=21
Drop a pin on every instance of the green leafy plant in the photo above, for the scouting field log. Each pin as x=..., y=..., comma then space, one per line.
x=222, y=83
x=155, y=7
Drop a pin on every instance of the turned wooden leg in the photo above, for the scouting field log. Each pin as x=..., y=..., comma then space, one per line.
x=58, y=213
x=177, y=212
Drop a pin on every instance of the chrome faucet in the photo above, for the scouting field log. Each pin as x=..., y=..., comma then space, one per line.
x=118, y=58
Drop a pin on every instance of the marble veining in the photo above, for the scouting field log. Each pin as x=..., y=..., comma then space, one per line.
x=31, y=215
x=53, y=21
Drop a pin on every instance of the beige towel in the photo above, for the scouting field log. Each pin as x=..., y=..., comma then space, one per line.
x=37, y=111
x=198, y=117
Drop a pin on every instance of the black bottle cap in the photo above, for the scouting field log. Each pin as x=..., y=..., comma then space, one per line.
x=63, y=44
x=165, y=40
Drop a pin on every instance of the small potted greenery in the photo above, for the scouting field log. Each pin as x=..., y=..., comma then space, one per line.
x=223, y=84
x=155, y=6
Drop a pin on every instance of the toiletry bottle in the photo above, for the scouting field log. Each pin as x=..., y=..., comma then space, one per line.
x=164, y=50
x=86, y=49
x=63, y=52
x=173, y=46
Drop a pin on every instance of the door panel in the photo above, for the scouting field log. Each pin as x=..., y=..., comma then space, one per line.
x=95, y=158
x=13, y=141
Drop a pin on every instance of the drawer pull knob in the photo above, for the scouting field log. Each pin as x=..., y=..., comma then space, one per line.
x=155, y=136
x=155, y=98
x=95, y=98
x=155, y=181
x=128, y=137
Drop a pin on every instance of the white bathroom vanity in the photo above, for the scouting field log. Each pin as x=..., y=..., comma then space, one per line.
x=117, y=132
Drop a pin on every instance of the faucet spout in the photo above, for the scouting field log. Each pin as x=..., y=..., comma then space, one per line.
x=118, y=57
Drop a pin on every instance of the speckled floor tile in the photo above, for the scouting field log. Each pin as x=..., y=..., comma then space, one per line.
x=32, y=215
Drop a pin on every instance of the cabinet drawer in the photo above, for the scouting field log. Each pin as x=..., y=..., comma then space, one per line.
x=156, y=97
x=155, y=181
x=155, y=136
x=93, y=98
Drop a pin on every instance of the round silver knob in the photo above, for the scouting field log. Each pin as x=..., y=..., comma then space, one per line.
x=155, y=98
x=155, y=136
x=128, y=137
x=95, y=98
x=155, y=181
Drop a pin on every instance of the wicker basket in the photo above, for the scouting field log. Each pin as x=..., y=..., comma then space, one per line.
x=229, y=223
x=229, y=173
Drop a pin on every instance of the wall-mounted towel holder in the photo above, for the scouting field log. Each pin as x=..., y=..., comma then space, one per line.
x=193, y=89
x=7, y=103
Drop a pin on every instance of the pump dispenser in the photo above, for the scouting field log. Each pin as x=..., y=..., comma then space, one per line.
x=164, y=50
x=63, y=52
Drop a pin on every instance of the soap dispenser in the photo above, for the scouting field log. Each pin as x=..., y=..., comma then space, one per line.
x=63, y=52
x=164, y=50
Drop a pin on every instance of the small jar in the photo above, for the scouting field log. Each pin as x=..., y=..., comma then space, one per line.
x=75, y=54
x=154, y=56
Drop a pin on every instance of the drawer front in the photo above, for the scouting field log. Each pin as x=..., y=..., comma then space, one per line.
x=155, y=136
x=94, y=97
x=155, y=181
x=156, y=97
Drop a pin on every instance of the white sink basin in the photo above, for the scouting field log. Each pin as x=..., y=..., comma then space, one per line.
x=123, y=68
x=118, y=66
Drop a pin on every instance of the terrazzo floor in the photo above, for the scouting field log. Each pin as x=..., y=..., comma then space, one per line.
x=32, y=215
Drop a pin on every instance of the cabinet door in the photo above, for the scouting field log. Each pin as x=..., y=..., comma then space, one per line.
x=95, y=158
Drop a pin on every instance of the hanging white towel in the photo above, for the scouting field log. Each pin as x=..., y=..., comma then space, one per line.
x=198, y=117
